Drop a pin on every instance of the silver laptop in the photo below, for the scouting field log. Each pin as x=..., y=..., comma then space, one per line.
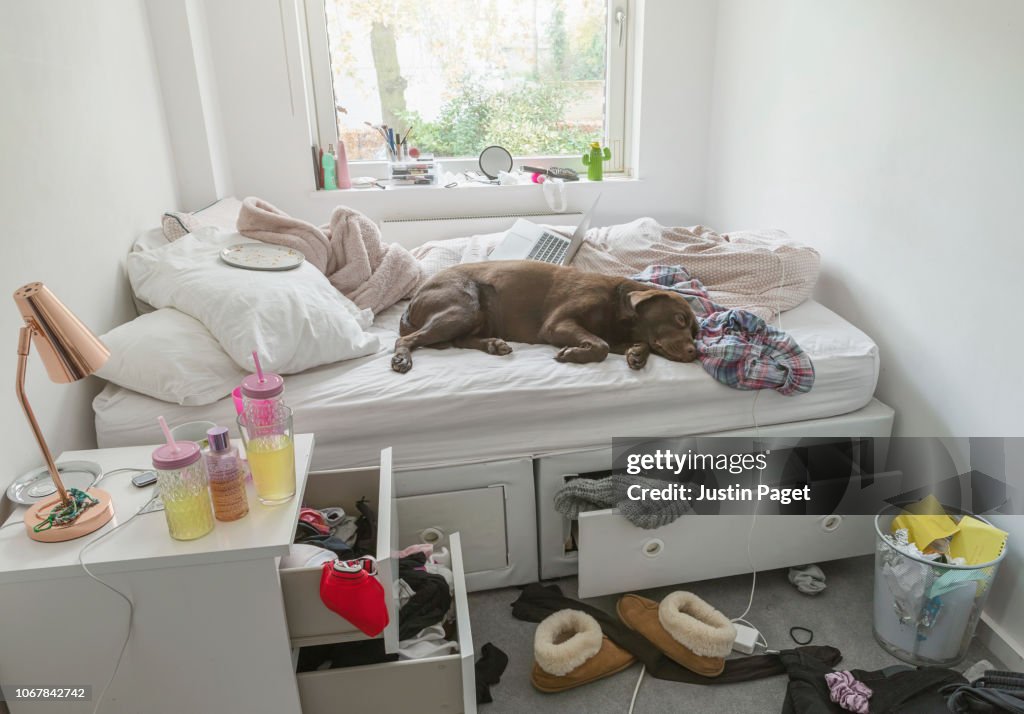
x=528, y=241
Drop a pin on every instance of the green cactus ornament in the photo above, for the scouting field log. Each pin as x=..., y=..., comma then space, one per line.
x=593, y=161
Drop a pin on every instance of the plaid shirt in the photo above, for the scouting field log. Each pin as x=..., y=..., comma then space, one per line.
x=737, y=347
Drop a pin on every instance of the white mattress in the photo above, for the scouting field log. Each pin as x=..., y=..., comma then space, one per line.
x=463, y=405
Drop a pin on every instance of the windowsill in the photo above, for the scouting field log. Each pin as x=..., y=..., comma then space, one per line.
x=570, y=186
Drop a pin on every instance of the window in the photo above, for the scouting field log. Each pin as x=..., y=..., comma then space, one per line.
x=543, y=78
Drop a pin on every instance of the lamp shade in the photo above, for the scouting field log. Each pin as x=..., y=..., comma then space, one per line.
x=68, y=348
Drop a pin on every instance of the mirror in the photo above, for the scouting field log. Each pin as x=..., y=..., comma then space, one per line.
x=494, y=160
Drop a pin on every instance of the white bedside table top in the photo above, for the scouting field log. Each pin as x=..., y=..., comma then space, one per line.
x=145, y=543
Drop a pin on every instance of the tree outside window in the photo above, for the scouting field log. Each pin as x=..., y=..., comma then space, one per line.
x=463, y=74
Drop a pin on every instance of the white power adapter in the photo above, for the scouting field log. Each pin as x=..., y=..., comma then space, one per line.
x=746, y=639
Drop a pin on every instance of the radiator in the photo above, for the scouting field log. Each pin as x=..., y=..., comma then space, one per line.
x=411, y=232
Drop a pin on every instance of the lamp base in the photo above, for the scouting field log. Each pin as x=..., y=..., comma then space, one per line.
x=91, y=520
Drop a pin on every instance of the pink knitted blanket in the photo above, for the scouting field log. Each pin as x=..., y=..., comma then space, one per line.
x=348, y=250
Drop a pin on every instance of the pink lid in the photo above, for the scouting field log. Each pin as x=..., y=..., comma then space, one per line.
x=180, y=455
x=271, y=386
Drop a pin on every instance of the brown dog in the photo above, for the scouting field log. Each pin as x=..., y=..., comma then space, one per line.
x=480, y=305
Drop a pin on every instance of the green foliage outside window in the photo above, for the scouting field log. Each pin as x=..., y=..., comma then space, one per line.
x=528, y=120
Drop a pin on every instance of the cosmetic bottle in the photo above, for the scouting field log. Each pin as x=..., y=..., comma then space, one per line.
x=224, y=468
x=330, y=177
x=341, y=167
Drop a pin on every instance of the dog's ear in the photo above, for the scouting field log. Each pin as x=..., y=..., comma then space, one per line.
x=639, y=296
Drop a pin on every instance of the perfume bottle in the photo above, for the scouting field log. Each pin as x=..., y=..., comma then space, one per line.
x=226, y=484
x=329, y=162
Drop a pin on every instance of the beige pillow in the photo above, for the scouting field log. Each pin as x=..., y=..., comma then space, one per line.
x=222, y=214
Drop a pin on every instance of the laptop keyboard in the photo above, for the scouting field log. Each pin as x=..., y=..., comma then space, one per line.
x=549, y=249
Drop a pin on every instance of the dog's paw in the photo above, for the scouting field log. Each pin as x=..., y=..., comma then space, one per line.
x=568, y=354
x=498, y=346
x=636, y=356
x=401, y=362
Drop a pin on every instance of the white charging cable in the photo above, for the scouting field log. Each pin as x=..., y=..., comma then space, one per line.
x=763, y=641
x=108, y=586
x=760, y=472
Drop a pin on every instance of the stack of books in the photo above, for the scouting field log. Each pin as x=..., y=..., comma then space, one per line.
x=418, y=172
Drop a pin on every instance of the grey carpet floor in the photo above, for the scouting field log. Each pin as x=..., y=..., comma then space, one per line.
x=840, y=616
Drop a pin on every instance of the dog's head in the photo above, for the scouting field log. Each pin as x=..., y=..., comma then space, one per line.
x=665, y=321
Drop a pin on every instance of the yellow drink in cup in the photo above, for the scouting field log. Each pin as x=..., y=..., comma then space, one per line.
x=272, y=462
x=270, y=449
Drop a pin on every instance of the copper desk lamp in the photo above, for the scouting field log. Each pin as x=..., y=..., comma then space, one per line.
x=70, y=352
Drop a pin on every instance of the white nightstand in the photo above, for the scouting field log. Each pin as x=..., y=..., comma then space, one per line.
x=209, y=632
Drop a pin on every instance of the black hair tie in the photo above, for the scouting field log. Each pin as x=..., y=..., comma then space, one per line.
x=794, y=630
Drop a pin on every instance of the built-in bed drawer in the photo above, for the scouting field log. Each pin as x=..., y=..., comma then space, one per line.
x=616, y=556
x=309, y=621
x=491, y=504
x=435, y=684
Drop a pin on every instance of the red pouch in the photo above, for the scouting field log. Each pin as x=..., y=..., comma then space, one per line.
x=348, y=588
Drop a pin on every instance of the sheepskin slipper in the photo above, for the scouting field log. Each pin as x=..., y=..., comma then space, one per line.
x=684, y=627
x=569, y=650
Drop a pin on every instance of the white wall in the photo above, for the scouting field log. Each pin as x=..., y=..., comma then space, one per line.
x=262, y=102
x=86, y=166
x=888, y=135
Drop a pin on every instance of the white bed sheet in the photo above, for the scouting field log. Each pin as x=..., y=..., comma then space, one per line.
x=463, y=405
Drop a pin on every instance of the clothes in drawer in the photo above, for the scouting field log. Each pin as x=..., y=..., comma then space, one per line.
x=616, y=556
x=434, y=684
x=478, y=513
x=309, y=621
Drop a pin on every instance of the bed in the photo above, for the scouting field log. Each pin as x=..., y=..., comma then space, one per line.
x=481, y=442
x=461, y=406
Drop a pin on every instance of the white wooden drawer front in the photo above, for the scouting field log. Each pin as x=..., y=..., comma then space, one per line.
x=434, y=684
x=309, y=621
x=477, y=513
x=615, y=556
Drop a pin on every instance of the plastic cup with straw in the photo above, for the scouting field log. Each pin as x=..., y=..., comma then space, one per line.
x=184, y=486
x=262, y=394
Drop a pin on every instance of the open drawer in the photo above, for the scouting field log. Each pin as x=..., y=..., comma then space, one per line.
x=309, y=621
x=433, y=684
x=616, y=556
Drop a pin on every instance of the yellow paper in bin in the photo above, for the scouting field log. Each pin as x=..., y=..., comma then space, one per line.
x=977, y=542
x=926, y=522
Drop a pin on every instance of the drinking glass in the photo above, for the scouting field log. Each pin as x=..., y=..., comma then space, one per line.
x=270, y=449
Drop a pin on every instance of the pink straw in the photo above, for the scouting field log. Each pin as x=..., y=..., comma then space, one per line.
x=259, y=370
x=167, y=434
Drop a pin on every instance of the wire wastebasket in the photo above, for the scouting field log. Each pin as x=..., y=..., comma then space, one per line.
x=925, y=611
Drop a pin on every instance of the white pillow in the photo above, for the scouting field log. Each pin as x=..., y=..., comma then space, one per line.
x=295, y=319
x=170, y=356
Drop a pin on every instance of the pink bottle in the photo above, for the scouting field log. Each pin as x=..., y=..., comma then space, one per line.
x=341, y=167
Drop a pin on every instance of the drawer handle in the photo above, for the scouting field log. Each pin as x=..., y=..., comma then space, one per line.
x=831, y=523
x=432, y=535
x=653, y=547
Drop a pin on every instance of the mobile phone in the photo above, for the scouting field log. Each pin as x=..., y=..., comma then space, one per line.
x=146, y=478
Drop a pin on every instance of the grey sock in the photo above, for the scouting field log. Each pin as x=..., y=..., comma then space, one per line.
x=809, y=579
x=647, y=513
x=585, y=494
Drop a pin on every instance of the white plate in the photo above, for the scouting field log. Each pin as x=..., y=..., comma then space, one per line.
x=37, y=484
x=261, y=256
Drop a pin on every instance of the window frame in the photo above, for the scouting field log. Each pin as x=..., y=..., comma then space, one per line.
x=620, y=44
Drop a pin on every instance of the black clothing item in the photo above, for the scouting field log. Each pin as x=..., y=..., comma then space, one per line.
x=431, y=598
x=305, y=533
x=991, y=693
x=905, y=691
x=489, y=669
x=344, y=654
x=538, y=601
x=366, y=529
